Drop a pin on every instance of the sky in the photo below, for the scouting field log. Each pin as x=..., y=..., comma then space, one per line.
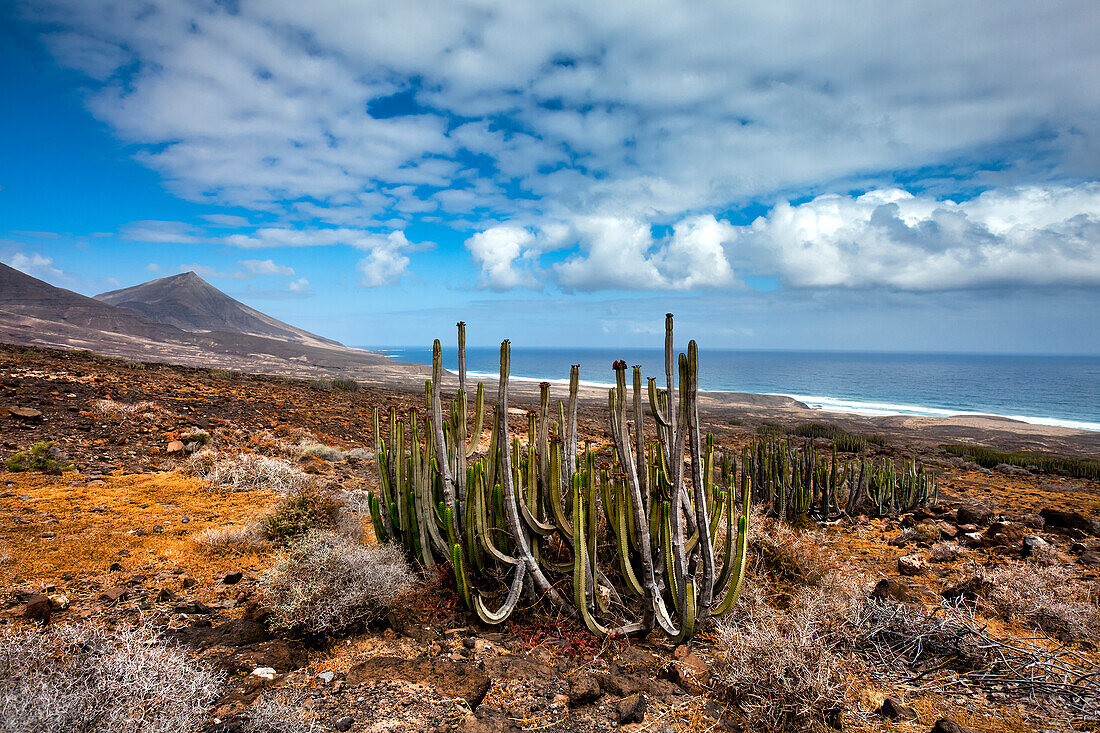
x=905, y=176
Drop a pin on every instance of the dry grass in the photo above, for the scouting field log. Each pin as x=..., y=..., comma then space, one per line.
x=83, y=679
x=121, y=410
x=1048, y=597
x=97, y=525
x=231, y=539
x=279, y=712
x=327, y=584
x=780, y=666
x=247, y=472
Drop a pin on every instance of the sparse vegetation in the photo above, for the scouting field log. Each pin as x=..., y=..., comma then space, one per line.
x=279, y=712
x=232, y=539
x=1043, y=597
x=197, y=436
x=119, y=410
x=247, y=472
x=781, y=662
x=319, y=450
x=43, y=457
x=327, y=583
x=84, y=679
x=1073, y=466
x=345, y=385
x=299, y=513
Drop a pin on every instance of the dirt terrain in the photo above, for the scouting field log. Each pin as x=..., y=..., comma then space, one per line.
x=112, y=541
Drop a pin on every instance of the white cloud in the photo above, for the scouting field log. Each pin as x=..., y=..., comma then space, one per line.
x=264, y=267
x=152, y=267
x=226, y=220
x=387, y=261
x=37, y=265
x=495, y=251
x=301, y=285
x=891, y=238
x=623, y=254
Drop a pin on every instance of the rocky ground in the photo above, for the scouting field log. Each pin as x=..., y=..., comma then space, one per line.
x=112, y=541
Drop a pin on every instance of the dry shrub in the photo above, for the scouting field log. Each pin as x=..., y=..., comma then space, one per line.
x=327, y=584
x=320, y=450
x=119, y=410
x=1049, y=598
x=279, y=712
x=781, y=665
x=781, y=668
x=789, y=557
x=81, y=679
x=237, y=539
x=247, y=472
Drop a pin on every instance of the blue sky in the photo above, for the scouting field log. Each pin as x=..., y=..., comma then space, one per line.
x=911, y=176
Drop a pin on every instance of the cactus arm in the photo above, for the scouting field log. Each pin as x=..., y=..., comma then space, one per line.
x=639, y=437
x=479, y=420
x=570, y=465
x=699, y=484
x=437, y=429
x=376, y=518
x=581, y=565
x=523, y=549
x=499, y=616
x=558, y=514
x=739, y=562
x=622, y=545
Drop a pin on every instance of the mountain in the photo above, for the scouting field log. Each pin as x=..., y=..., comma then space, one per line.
x=189, y=303
x=35, y=313
x=28, y=301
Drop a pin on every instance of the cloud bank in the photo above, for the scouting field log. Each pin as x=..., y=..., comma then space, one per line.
x=618, y=136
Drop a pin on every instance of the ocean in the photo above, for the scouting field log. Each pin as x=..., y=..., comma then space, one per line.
x=1047, y=390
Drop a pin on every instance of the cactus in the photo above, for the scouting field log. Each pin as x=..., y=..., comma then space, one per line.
x=521, y=519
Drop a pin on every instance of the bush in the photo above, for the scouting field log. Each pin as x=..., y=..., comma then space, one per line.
x=359, y=455
x=1048, y=598
x=120, y=410
x=298, y=514
x=327, y=584
x=83, y=679
x=246, y=472
x=320, y=450
x=196, y=436
x=345, y=385
x=782, y=668
x=237, y=539
x=1047, y=462
x=279, y=712
x=44, y=457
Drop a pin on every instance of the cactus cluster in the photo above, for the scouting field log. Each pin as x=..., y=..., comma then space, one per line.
x=646, y=538
x=794, y=481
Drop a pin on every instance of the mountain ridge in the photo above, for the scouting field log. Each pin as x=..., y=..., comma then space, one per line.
x=189, y=303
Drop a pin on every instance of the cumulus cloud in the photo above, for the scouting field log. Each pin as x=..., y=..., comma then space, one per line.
x=891, y=238
x=623, y=254
x=265, y=267
x=387, y=260
x=37, y=265
x=301, y=285
x=495, y=251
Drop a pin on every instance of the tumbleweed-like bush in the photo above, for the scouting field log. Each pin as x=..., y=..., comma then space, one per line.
x=81, y=679
x=247, y=472
x=328, y=583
